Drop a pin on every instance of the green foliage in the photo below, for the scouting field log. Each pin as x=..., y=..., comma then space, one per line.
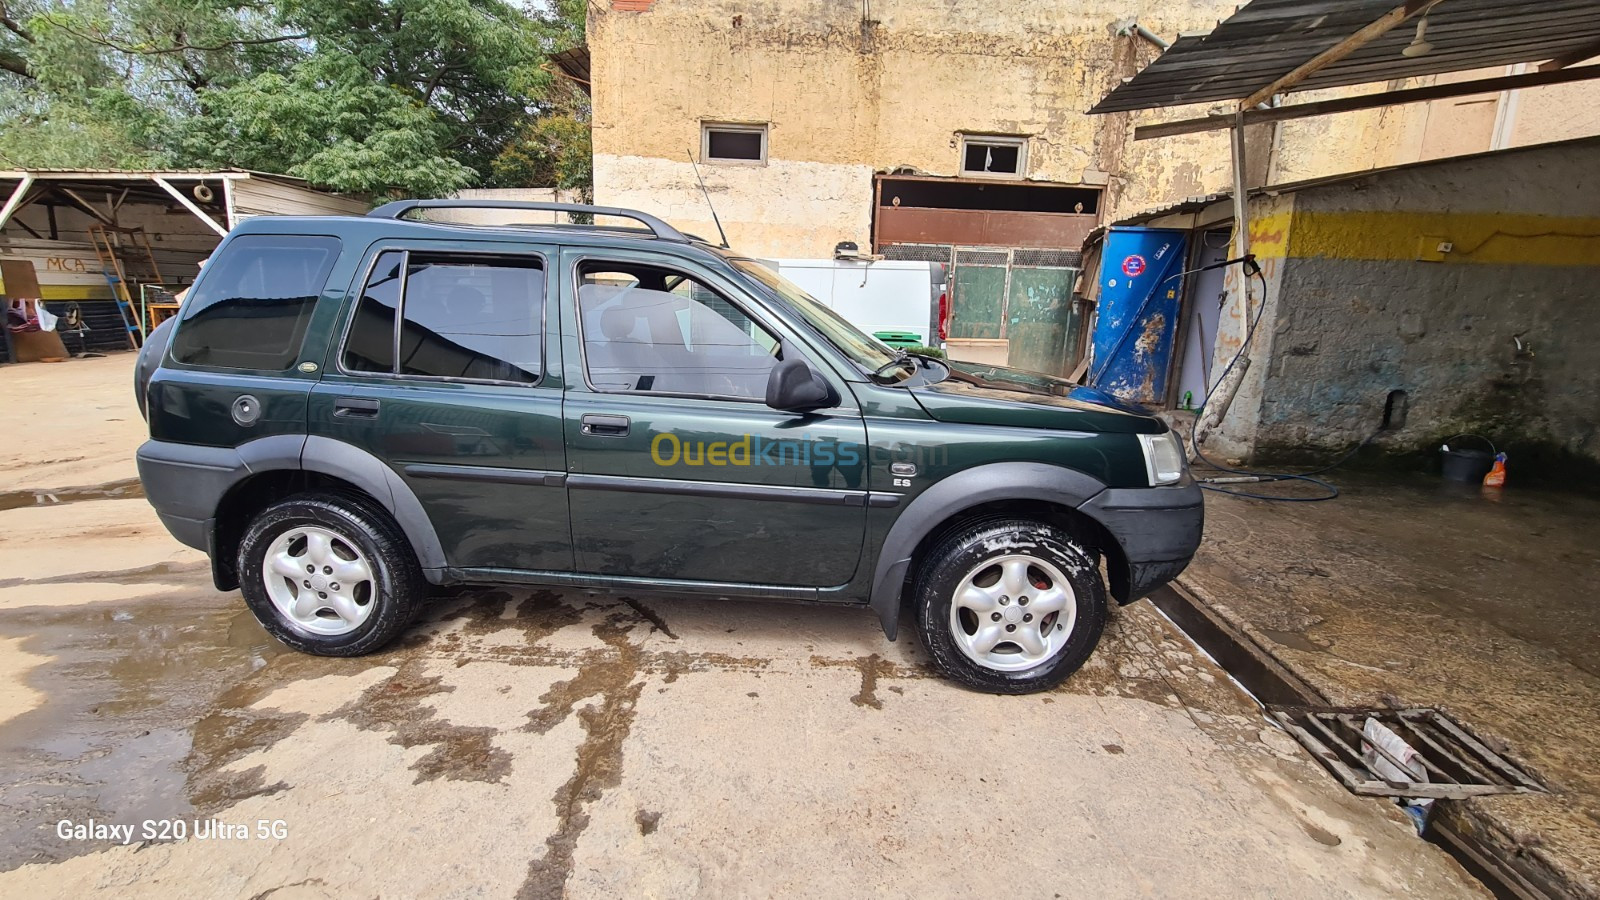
x=105, y=131
x=553, y=150
x=381, y=96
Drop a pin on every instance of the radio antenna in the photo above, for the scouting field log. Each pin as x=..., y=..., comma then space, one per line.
x=707, y=194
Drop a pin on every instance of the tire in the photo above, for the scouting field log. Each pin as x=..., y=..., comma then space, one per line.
x=986, y=576
x=332, y=536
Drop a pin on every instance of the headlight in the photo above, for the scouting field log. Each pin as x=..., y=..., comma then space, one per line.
x=1163, y=457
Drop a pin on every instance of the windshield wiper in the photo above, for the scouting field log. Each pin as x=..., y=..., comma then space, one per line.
x=900, y=356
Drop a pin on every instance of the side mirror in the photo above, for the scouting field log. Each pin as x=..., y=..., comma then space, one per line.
x=794, y=386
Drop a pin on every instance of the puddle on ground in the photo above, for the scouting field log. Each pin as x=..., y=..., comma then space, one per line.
x=1294, y=640
x=125, y=489
x=124, y=686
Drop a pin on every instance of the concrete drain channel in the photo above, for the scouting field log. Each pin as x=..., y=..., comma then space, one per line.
x=1412, y=753
x=1459, y=767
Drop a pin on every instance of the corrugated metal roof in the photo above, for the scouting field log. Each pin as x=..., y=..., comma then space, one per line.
x=1267, y=39
x=574, y=62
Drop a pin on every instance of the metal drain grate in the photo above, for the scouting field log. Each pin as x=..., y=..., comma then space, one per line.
x=1455, y=764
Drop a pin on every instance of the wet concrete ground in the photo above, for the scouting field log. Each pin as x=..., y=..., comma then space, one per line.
x=540, y=744
x=1422, y=592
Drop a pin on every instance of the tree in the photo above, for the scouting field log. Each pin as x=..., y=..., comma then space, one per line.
x=408, y=96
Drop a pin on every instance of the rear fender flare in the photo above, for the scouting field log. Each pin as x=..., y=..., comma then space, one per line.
x=369, y=473
x=964, y=490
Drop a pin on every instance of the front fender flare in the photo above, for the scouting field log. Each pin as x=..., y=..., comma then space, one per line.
x=964, y=490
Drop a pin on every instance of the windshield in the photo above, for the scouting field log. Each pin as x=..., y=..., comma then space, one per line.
x=863, y=349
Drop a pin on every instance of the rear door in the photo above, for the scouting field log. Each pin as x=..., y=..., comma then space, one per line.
x=449, y=372
x=679, y=469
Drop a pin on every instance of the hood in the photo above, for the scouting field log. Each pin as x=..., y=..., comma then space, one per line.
x=995, y=395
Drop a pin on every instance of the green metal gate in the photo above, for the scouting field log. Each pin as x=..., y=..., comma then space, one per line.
x=1022, y=296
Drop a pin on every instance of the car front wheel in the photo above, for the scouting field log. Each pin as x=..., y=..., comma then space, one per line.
x=1010, y=607
x=330, y=575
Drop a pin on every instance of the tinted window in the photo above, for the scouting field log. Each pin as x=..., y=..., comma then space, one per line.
x=251, y=307
x=462, y=317
x=370, y=344
x=654, y=330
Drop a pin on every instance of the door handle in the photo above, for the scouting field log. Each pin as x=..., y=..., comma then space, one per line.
x=605, y=426
x=355, y=408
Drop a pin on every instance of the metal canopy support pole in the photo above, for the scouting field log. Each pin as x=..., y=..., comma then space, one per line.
x=227, y=203
x=15, y=202
x=1241, y=191
x=1221, y=397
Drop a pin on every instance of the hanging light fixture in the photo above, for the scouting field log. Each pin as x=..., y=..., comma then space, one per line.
x=1419, y=45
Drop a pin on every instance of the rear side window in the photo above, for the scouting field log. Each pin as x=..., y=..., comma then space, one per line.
x=466, y=317
x=251, y=308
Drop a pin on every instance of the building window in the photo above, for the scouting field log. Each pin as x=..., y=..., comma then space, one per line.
x=738, y=144
x=987, y=155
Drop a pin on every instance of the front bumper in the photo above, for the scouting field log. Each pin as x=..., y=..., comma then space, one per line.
x=1158, y=530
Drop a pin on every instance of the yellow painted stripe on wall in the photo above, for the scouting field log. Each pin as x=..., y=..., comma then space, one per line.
x=64, y=292
x=1485, y=238
x=1269, y=235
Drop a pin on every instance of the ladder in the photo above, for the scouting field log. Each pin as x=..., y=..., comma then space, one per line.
x=106, y=239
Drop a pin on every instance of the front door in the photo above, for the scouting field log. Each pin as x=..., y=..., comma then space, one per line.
x=445, y=375
x=678, y=468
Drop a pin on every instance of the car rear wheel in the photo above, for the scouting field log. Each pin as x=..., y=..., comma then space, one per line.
x=1010, y=607
x=329, y=575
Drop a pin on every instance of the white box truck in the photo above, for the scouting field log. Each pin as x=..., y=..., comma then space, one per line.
x=885, y=295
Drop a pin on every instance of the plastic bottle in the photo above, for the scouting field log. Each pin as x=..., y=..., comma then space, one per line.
x=1497, y=474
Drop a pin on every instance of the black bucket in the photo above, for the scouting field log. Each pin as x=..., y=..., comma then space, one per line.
x=1467, y=466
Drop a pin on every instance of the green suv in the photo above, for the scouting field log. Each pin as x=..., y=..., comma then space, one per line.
x=351, y=410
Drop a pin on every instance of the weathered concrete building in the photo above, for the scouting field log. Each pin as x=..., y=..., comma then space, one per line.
x=799, y=110
x=907, y=130
x=1426, y=300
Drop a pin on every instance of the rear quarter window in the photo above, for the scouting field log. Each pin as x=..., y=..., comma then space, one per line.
x=254, y=302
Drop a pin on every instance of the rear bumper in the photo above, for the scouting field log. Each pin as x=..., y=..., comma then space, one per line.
x=1158, y=530
x=185, y=483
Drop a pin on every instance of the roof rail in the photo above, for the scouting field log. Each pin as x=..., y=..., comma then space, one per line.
x=660, y=229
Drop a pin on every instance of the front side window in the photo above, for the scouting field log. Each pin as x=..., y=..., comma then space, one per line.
x=466, y=317
x=252, y=307
x=864, y=350
x=653, y=330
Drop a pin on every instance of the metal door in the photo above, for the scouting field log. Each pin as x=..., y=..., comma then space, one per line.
x=698, y=487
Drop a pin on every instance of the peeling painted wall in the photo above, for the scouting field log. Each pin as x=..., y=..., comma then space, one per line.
x=1251, y=300
x=1351, y=142
x=1361, y=315
x=853, y=88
